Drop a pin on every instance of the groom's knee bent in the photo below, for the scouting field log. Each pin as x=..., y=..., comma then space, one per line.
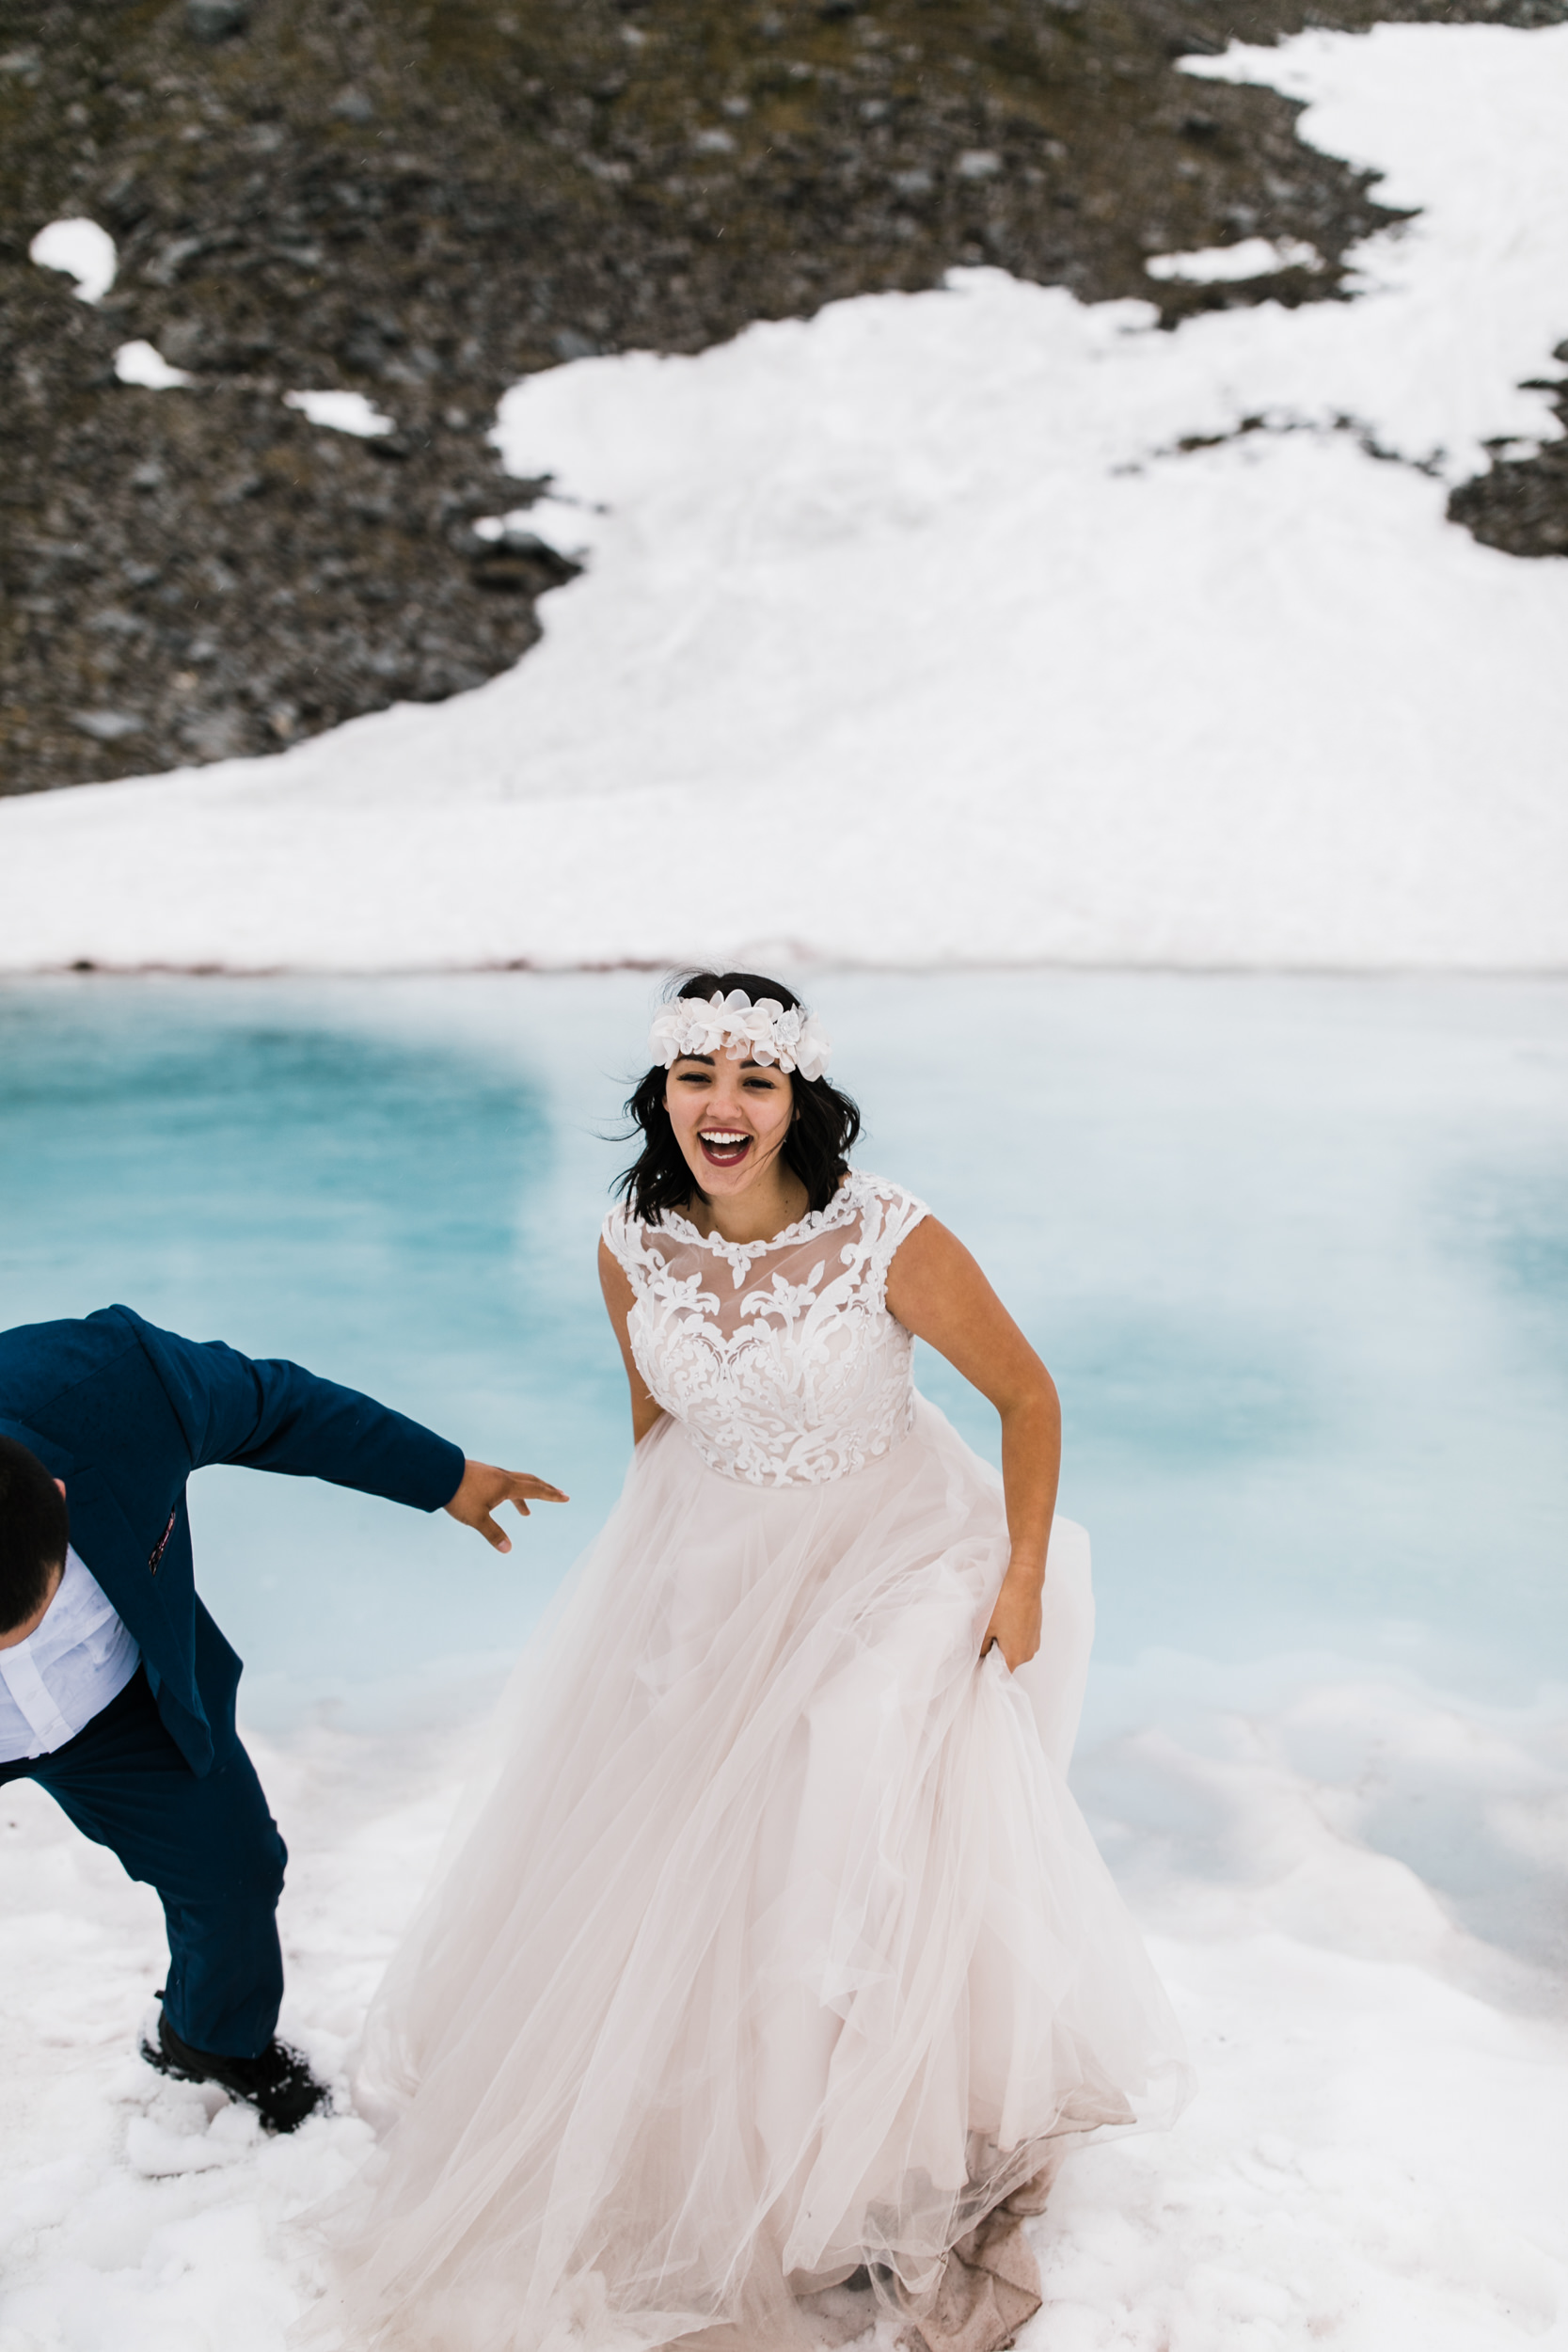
x=192, y=1835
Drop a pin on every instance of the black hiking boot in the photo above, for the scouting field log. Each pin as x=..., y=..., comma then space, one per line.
x=278, y=2084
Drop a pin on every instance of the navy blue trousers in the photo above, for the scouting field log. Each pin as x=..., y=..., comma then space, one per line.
x=210, y=1847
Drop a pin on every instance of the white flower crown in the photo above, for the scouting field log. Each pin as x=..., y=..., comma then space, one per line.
x=764, y=1032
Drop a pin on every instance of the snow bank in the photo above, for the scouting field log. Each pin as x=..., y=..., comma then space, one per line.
x=1375, y=2158
x=975, y=626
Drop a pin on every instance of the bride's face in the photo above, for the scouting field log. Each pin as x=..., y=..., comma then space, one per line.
x=730, y=1119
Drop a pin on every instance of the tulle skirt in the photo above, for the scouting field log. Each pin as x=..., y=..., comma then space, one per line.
x=777, y=1968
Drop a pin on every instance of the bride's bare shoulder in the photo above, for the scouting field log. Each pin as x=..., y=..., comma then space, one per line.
x=928, y=1252
x=933, y=1278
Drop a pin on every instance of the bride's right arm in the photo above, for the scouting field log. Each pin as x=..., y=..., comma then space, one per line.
x=619, y=1302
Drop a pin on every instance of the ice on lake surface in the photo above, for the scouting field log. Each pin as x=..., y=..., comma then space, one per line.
x=1296, y=1251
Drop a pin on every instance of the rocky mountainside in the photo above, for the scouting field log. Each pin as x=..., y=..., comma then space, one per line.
x=422, y=202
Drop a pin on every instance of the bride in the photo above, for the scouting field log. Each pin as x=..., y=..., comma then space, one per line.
x=778, y=1970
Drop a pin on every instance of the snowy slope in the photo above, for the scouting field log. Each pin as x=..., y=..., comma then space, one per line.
x=910, y=635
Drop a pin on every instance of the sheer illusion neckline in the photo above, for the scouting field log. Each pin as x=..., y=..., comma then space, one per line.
x=838, y=1210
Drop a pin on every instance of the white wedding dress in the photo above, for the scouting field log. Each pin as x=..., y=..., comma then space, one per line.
x=778, y=1960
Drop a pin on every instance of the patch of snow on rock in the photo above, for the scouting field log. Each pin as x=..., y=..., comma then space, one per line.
x=569, y=526
x=342, y=412
x=142, y=363
x=1219, y=264
x=83, y=250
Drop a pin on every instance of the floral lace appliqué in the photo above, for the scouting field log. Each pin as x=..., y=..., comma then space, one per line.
x=792, y=1372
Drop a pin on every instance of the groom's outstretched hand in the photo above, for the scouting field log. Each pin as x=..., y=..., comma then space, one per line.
x=484, y=1490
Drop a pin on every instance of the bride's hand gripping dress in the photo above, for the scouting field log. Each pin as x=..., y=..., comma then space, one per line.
x=779, y=1956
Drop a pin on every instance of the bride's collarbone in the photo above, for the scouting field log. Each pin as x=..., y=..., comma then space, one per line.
x=738, y=1225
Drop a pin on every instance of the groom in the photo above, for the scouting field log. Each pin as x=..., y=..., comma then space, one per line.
x=117, y=1689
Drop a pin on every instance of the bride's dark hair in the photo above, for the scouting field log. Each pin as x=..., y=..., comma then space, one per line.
x=817, y=1148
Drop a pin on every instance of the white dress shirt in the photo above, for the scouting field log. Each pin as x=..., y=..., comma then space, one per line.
x=67, y=1671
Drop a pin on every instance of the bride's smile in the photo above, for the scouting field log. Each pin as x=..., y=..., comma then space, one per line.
x=730, y=1119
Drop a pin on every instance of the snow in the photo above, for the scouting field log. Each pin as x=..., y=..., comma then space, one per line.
x=83, y=250
x=570, y=526
x=974, y=626
x=109, y=727
x=143, y=363
x=1375, y=2157
x=343, y=412
x=1218, y=265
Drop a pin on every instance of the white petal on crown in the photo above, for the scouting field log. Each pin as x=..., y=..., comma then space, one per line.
x=768, y=1032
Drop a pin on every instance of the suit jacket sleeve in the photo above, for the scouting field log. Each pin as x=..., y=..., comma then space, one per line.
x=273, y=1415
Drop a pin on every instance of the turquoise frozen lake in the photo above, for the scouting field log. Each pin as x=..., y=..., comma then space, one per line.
x=1296, y=1251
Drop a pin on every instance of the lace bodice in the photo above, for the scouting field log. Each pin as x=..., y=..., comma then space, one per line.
x=779, y=1357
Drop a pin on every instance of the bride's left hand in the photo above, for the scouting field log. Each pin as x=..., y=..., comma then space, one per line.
x=1015, y=1621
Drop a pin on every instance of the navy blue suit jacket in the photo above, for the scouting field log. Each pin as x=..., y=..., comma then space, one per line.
x=123, y=1413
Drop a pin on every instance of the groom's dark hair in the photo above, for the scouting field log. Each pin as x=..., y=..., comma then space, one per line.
x=817, y=1148
x=35, y=1528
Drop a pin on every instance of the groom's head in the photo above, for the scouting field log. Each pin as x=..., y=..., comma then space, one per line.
x=35, y=1528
